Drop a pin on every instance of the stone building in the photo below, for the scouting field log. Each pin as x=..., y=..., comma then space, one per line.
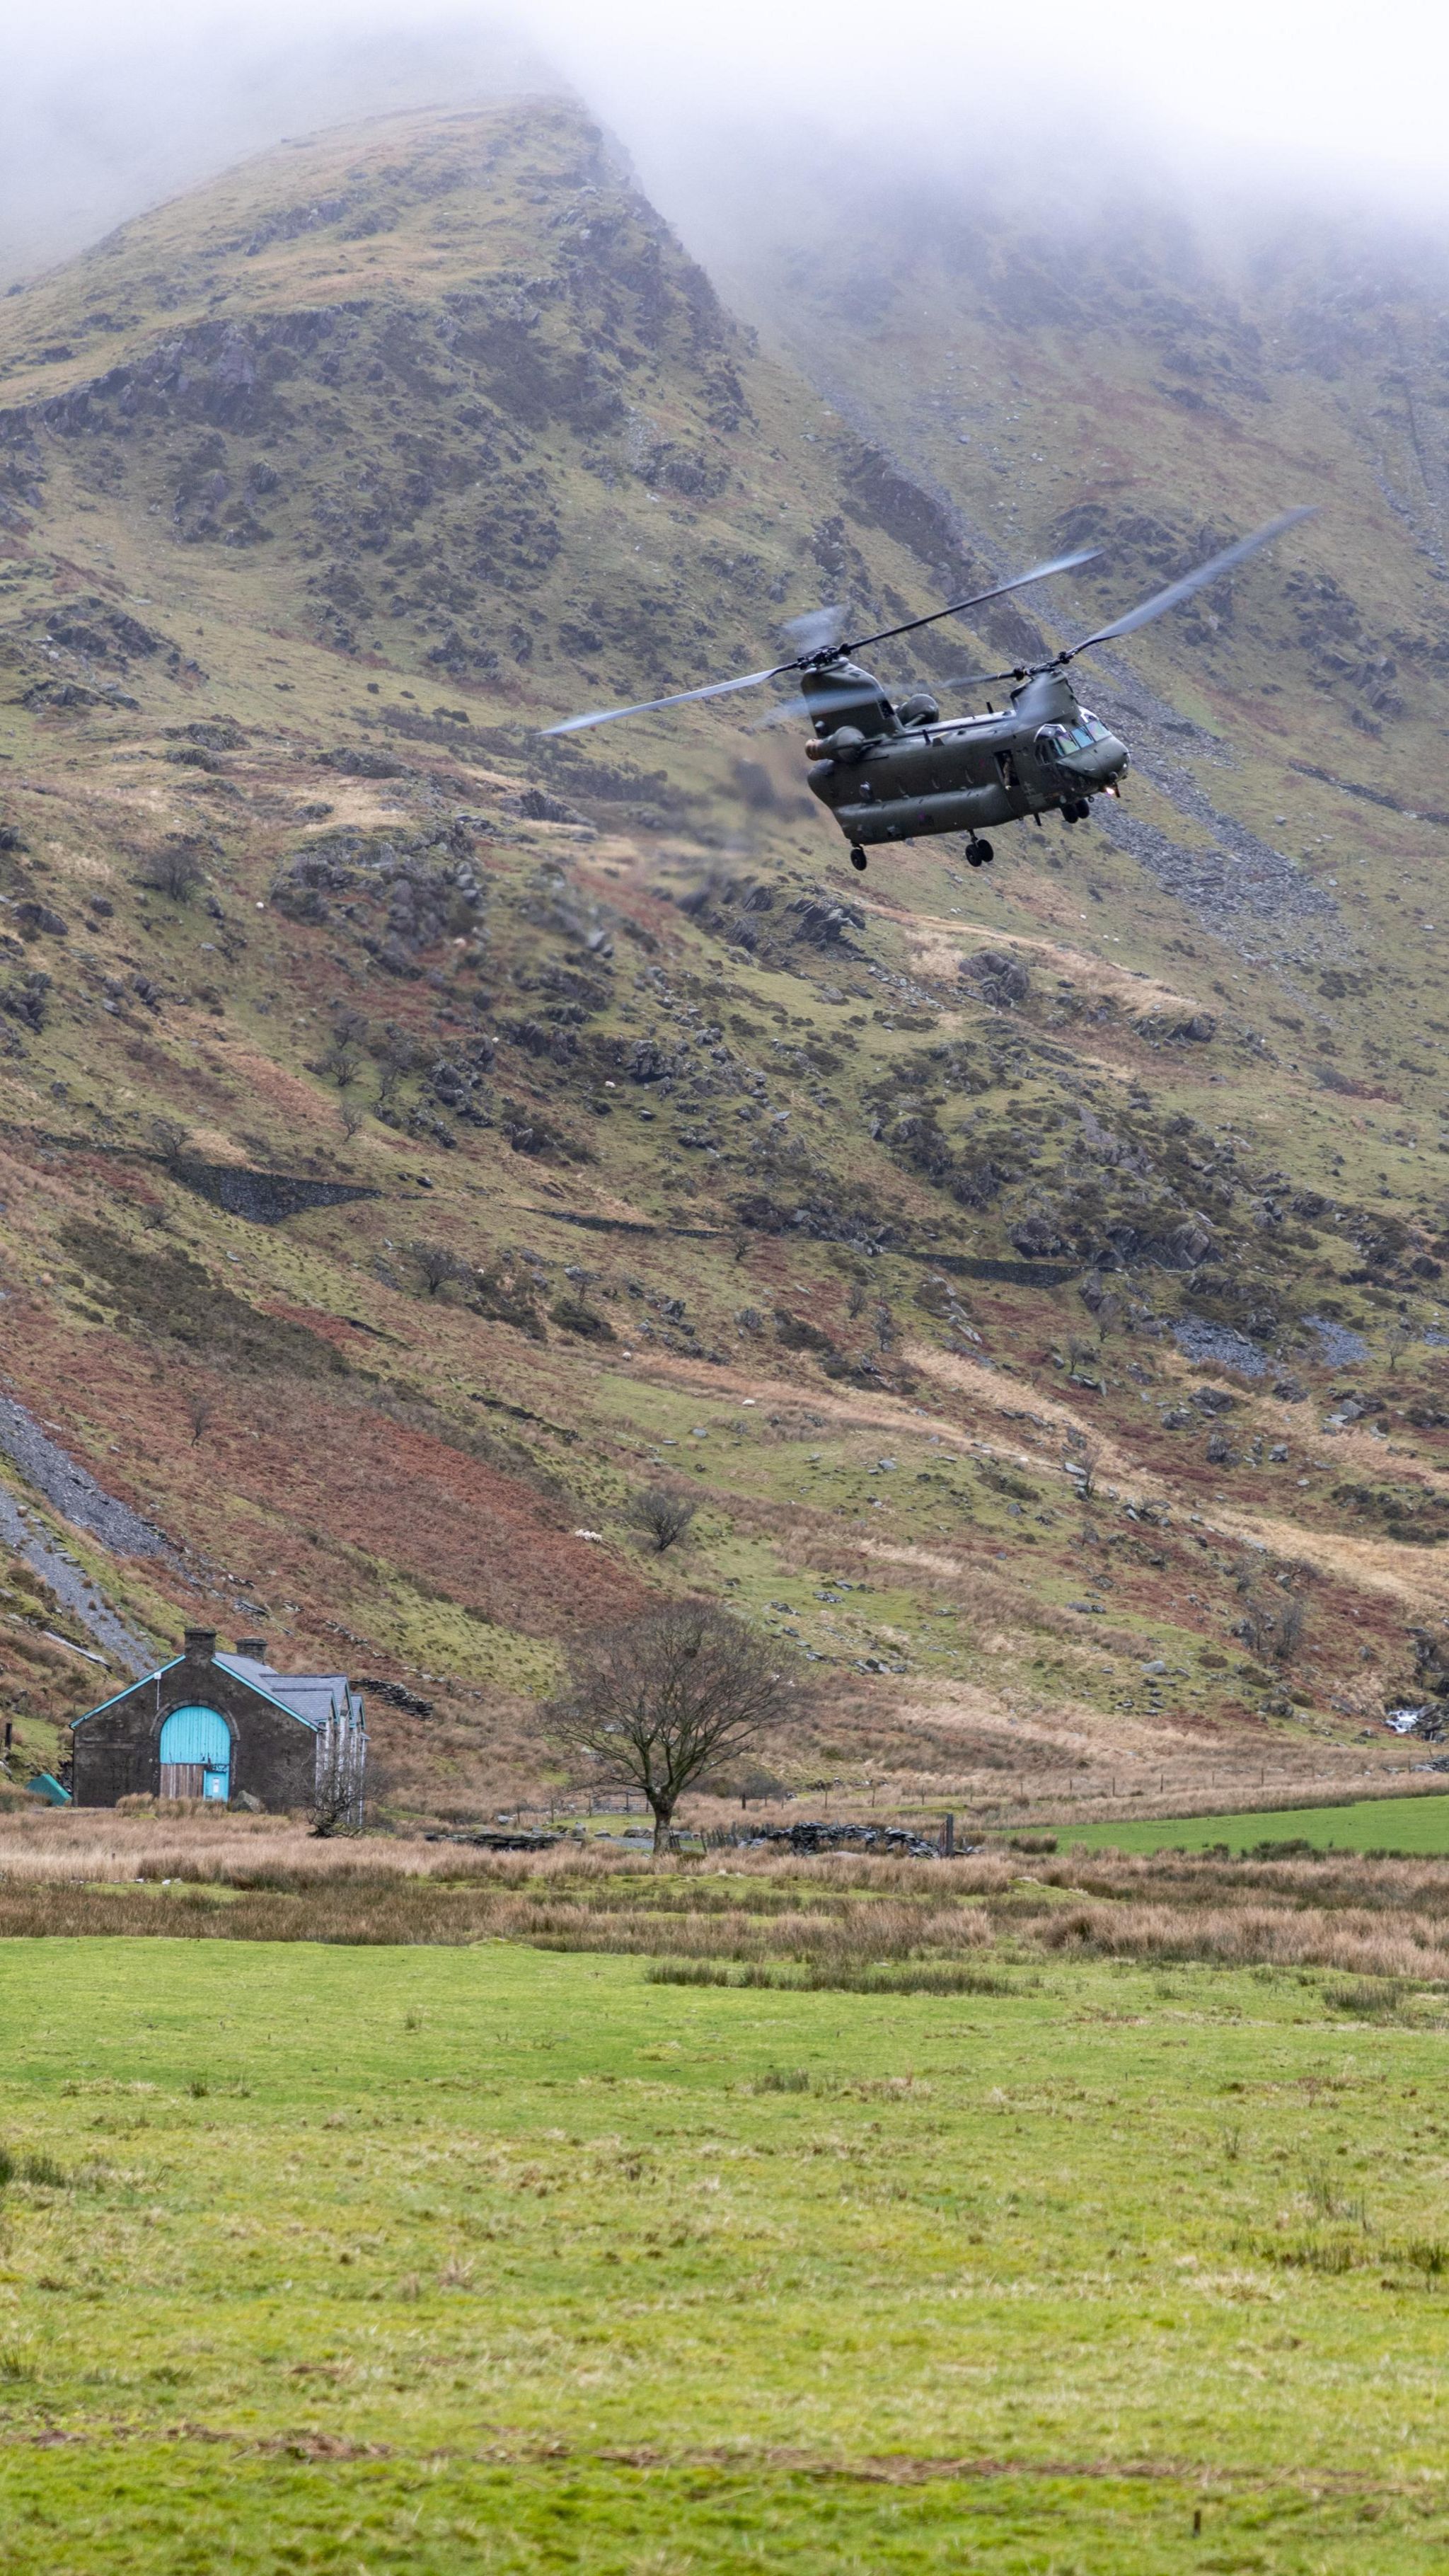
x=208, y=1725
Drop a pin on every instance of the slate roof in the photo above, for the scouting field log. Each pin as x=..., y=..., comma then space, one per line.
x=314, y=1697
x=318, y=1699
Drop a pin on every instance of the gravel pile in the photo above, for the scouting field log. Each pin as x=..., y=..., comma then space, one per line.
x=1199, y=1340
x=73, y=1589
x=73, y=1490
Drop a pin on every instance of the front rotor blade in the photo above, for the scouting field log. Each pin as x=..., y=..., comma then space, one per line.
x=681, y=698
x=1039, y=572
x=1178, y=591
x=978, y=679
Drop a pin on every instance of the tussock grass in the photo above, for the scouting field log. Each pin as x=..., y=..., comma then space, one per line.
x=1355, y=2249
x=832, y=1978
x=35, y=2166
x=851, y=1923
x=1364, y=2002
x=1247, y=1935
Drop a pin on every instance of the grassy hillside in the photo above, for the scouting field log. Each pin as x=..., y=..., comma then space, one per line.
x=419, y=1137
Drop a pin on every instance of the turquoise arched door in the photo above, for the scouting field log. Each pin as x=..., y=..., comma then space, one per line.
x=195, y=1754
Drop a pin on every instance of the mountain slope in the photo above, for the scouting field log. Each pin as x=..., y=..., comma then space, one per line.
x=420, y=1136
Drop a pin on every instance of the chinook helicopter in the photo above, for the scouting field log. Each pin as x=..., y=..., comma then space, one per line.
x=894, y=772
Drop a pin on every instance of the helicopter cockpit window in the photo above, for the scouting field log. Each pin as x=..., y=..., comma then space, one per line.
x=1061, y=742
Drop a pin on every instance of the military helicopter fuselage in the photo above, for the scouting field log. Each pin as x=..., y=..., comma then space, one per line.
x=892, y=772
x=896, y=772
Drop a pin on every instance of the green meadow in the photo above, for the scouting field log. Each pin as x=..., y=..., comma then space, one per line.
x=441, y=2259
x=1408, y=1825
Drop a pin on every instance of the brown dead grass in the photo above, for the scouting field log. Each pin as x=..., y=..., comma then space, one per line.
x=1094, y=978
x=998, y=1394
x=828, y=1920
x=1409, y=1577
x=1241, y=1936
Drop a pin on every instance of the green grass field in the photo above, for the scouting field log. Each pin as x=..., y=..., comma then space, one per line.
x=437, y=2259
x=1408, y=1825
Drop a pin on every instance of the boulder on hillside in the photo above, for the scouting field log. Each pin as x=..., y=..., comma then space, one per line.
x=1000, y=979
x=365, y=764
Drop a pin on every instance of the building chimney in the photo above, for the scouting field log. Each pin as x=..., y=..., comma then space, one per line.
x=200, y=1645
x=256, y=1647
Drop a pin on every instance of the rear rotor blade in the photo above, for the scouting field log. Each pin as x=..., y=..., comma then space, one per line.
x=1178, y=591
x=680, y=698
x=1039, y=572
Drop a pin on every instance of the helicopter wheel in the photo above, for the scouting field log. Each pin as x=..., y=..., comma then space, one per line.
x=858, y=859
x=1083, y=810
x=979, y=854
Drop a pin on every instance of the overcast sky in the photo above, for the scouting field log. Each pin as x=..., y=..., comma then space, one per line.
x=107, y=105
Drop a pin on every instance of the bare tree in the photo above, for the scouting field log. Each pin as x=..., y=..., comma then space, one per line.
x=1399, y=1338
x=173, y=870
x=662, y=1516
x=437, y=1264
x=398, y=1053
x=352, y=1114
x=1084, y=1466
x=1109, y=1318
x=1288, y=1628
x=669, y=1698
x=1257, y=1624
x=170, y=1140
x=341, y=1064
x=199, y=1406
x=337, y=1789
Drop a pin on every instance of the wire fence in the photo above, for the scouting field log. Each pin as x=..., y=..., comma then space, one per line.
x=951, y=1811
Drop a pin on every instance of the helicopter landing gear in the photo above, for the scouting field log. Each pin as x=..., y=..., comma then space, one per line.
x=979, y=854
x=858, y=859
x=1081, y=812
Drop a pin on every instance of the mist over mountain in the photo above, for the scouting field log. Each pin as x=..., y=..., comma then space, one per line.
x=422, y=1135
